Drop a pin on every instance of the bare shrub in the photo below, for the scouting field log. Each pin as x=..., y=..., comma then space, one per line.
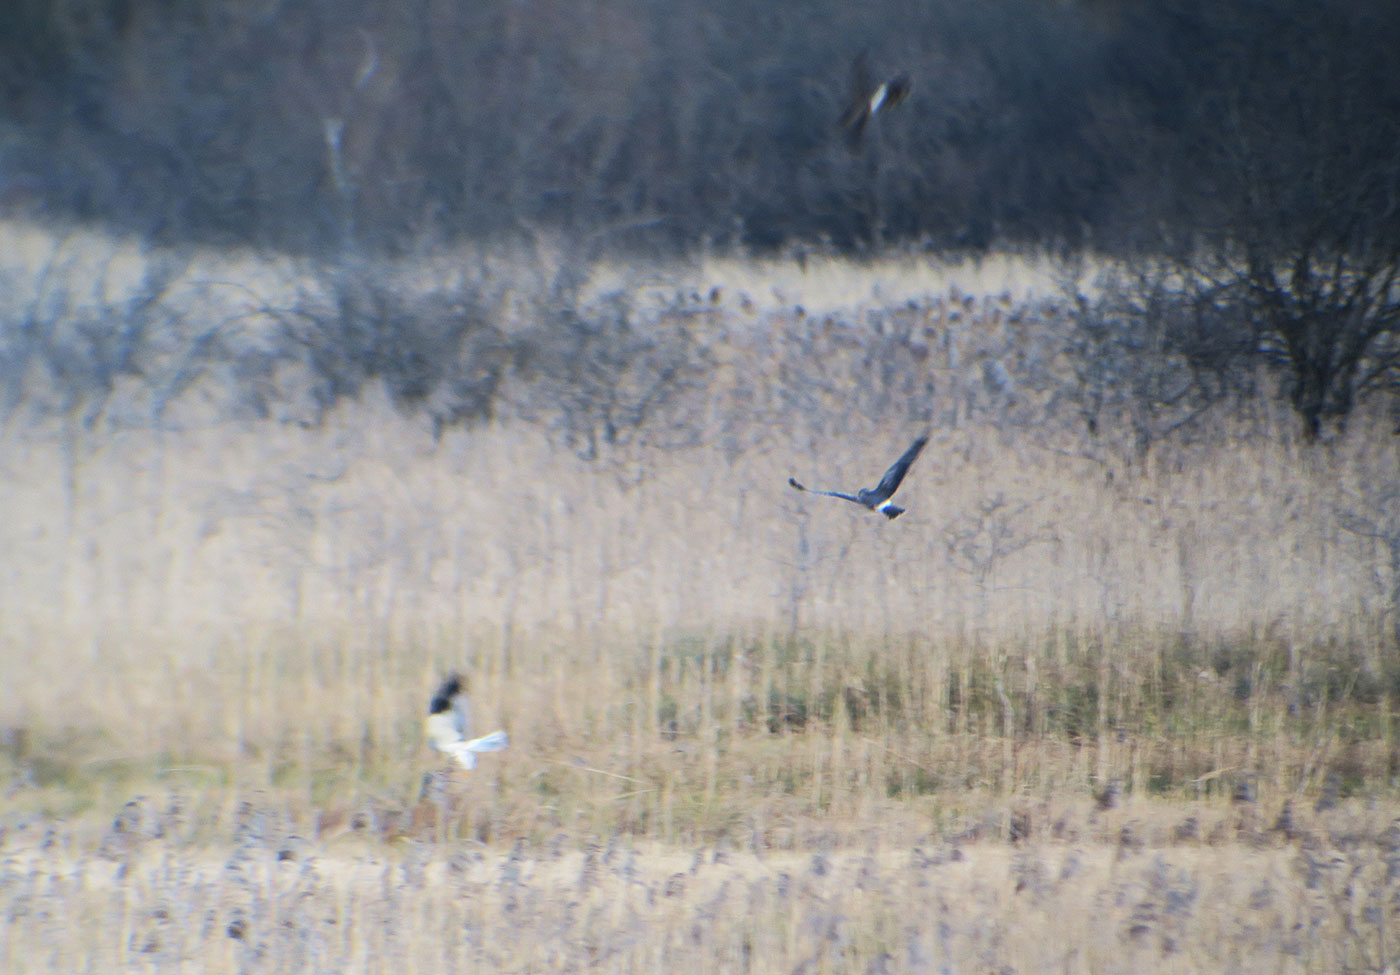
x=352, y=324
x=604, y=382
x=65, y=351
x=977, y=543
x=1151, y=357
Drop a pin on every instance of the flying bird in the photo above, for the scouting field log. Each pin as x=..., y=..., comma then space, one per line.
x=878, y=498
x=449, y=718
x=869, y=99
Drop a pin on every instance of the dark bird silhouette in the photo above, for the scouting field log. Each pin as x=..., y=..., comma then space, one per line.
x=878, y=498
x=868, y=99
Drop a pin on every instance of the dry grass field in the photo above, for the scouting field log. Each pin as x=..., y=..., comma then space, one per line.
x=1079, y=709
x=1109, y=893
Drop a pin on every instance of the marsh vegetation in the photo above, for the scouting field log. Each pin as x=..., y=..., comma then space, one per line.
x=1138, y=665
x=347, y=343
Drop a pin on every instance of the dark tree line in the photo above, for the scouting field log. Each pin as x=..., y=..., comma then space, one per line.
x=651, y=123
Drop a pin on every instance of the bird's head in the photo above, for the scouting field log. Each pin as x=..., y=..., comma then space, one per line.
x=452, y=685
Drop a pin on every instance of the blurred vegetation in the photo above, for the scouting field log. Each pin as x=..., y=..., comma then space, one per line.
x=643, y=124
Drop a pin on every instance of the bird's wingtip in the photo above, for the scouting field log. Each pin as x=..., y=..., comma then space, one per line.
x=496, y=741
x=793, y=481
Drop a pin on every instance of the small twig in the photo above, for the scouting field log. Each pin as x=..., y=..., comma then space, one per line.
x=896, y=753
x=1210, y=776
x=588, y=768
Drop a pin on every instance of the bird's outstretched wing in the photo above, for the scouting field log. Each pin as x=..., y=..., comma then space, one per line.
x=830, y=494
x=496, y=741
x=897, y=90
x=890, y=482
x=861, y=82
x=857, y=113
x=465, y=752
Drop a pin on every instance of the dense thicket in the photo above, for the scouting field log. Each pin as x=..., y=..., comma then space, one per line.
x=646, y=122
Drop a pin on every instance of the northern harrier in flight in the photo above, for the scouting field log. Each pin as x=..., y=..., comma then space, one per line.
x=448, y=720
x=868, y=99
x=878, y=498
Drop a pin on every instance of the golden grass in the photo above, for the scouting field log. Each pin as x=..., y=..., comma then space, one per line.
x=262, y=569
x=247, y=619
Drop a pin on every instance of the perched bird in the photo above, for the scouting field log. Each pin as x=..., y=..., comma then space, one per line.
x=878, y=498
x=869, y=99
x=448, y=720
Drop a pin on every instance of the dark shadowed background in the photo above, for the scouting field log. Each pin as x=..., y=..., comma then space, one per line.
x=651, y=124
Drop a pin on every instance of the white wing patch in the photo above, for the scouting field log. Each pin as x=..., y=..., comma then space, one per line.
x=878, y=99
